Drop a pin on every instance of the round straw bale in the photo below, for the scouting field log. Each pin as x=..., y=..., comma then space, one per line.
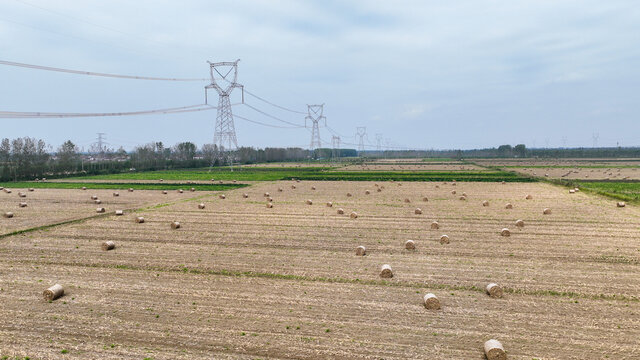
x=485, y=203
x=53, y=292
x=463, y=197
x=108, y=245
x=576, y=189
x=546, y=211
x=503, y=183
x=22, y=204
x=407, y=200
x=222, y=196
x=163, y=179
x=293, y=186
x=410, y=245
x=130, y=190
x=116, y=194
x=8, y=191
x=494, y=290
x=353, y=215
x=508, y=206
x=219, y=181
x=425, y=198
x=94, y=197
x=97, y=201
x=367, y=192
x=234, y=181
x=119, y=212
x=8, y=214
x=192, y=189
x=435, y=225
x=494, y=351
x=180, y=191
x=297, y=180
x=348, y=194
x=175, y=225
x=529, y=197
x=505, y=232
x=464, y=193
x=418, y=211
x=201, y=206
x=386, y=272
x=444, y=239
x=280, y=189
x=519, y=223
x=270, y=199
x=313, y=188
x=32, y=189
x=340, y=211
x=139, y=219
x=379, y=190
x=309, y=202
x=431, y=302
x=329, y=204
x=269, y=205
x=621, y=204
x=100, y=210
x=266, y=194
x=21, y=194
x=361, y=251
x=165, y=192
x=572, y=191
x=453, y=192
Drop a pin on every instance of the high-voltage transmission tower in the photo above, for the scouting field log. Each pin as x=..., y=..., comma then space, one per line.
x=100, y=142
x=335, y=146
x=595, y=138
x=361, y=131
x=379, y=142
x=224, y=77
x=315, y=116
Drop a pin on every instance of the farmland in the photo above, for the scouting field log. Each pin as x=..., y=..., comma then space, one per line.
x=240, y=280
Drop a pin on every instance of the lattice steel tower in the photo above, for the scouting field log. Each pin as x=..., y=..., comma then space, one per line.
x=379, y=142
x=315, y=116
x=335, y=146
x=224, y=76
x=361, y=131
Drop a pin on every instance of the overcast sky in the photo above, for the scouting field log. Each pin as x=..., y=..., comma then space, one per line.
x=425, y=74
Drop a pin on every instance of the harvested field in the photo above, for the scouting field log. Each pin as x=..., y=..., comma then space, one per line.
x=50, y=206
x=411, y=167
x=238, y=280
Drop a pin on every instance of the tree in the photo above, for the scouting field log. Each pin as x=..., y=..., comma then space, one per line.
x=67, y=156
x=520, y=150
x=184, y=151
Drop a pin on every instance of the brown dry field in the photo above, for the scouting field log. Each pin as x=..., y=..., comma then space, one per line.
x=411, y=167
x=50, y=206
x=583, y=173
x=559, y=162
x=239, y=280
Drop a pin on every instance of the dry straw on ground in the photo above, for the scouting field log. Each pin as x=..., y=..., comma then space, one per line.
x=108, y=245
x=53, y=292
x=361, y=251
x=444, y=239
x=505, y=232
x=386, y=272
x=410, y=245
x=431, y=302
x=493, y=350
x=494, y=290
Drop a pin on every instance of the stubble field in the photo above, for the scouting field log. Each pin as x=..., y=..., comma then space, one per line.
x=240, y=280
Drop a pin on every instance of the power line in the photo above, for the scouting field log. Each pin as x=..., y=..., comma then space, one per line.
x=183, y=109
x=264, y=124
x=271, y=116
x=91, y=73
x=273, y=104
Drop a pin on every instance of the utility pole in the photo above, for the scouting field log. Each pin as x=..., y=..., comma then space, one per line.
x=315, y=115
x=361, y=131
x=335, y=146
x=224, y=77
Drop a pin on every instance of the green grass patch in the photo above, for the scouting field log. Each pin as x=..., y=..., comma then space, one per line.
x=327, y=174
x=121, y=186
x=626, y=191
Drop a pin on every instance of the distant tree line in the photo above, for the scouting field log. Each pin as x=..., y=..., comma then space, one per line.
x=28, y=158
